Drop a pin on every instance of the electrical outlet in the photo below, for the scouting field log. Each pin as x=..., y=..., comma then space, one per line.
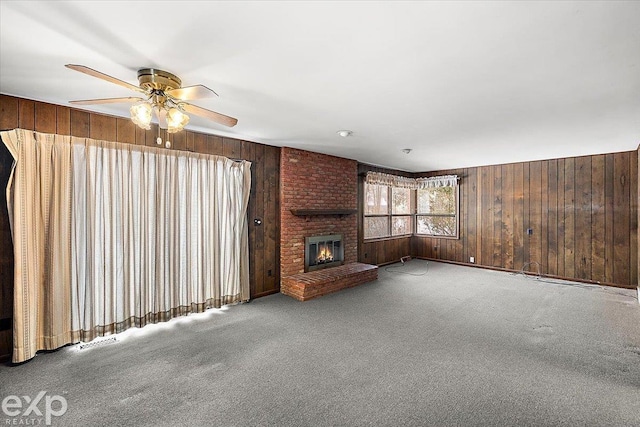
x=472, y=259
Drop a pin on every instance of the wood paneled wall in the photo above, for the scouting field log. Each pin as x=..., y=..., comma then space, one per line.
x=264, y=241
x=382, y=251
x=583, y=213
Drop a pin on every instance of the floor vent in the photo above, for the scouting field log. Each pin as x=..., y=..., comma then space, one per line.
x=97, y=343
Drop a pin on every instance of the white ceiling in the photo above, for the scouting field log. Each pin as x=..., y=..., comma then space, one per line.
x=460, y=83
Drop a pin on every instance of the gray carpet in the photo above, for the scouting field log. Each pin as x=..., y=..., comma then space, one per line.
x=455, y=346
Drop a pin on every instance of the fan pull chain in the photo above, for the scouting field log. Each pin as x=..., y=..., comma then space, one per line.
x=159, y=140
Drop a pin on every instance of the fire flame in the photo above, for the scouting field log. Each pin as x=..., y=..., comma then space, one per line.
x=325, y=255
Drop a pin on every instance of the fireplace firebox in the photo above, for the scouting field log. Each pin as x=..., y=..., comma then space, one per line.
x=323, y=252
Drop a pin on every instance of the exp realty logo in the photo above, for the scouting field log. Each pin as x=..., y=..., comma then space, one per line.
x=27, y=411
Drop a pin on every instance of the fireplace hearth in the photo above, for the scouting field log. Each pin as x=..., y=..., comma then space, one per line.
x=323, y=252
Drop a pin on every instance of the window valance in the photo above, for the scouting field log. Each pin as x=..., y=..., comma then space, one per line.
x=437, y=181
x=379, y=178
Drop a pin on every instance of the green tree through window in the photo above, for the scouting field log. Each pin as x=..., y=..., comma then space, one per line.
x=437, y=211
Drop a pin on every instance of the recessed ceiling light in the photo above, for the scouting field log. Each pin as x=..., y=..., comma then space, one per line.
x=344, y=133
x=406, y=150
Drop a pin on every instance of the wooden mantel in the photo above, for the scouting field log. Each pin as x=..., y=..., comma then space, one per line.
x=318, y=212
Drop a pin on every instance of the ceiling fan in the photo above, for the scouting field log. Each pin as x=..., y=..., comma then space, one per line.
x=164, y=96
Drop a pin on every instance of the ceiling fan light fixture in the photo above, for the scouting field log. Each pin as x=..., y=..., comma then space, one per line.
x=165, y=97
x=176, y=120
x=141, y=115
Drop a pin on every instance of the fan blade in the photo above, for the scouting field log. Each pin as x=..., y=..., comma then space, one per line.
x=106, y=100
x=98, y=74
x=211, y=115
x=191, y=92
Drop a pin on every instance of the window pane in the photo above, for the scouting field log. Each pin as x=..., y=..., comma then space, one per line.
x=376, y=199
x=401, y=200
x=375, y=227
x=400, y=225
x=440, y=200
x=436, y=225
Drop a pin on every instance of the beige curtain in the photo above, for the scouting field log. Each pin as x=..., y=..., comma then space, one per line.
x=108, y=236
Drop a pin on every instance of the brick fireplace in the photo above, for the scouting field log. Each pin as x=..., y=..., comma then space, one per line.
x=311, y=183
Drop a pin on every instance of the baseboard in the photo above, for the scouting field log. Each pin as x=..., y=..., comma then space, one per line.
x=549, y=276
x=264, y=294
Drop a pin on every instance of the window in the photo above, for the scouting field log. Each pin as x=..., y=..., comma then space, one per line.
x=376, y=209
x=393, y=204
x=387, y=211
x=437, y=211
x=401, y=212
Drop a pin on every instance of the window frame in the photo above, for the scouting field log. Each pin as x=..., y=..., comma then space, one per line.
x=413, y=215
x=390, y=215
x=456, y=216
